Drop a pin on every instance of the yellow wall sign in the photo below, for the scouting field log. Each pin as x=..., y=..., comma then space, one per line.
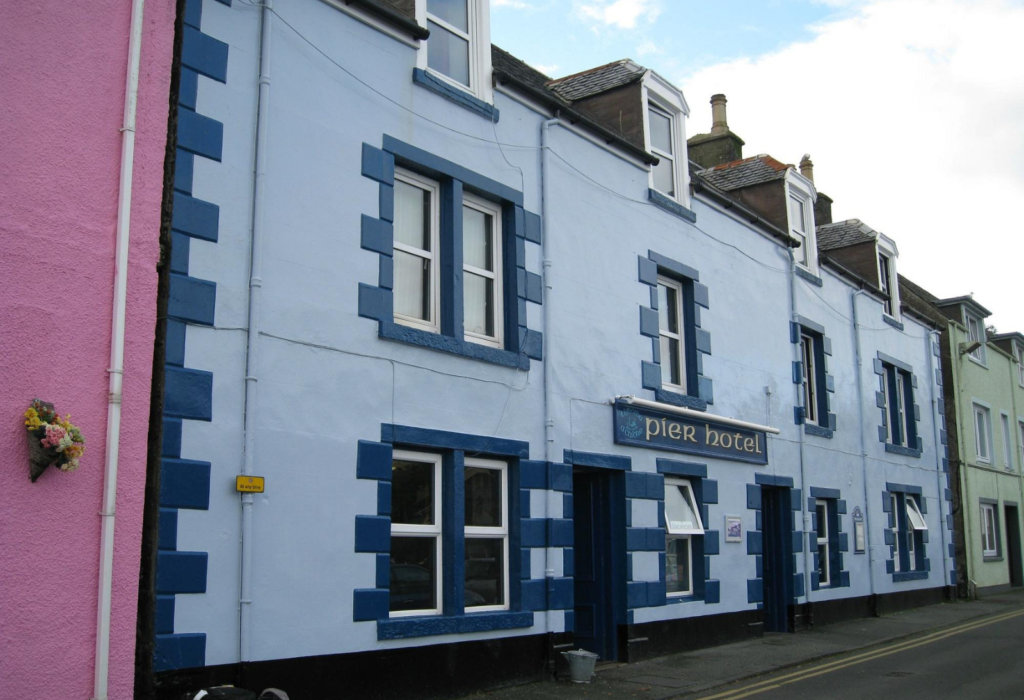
x=249, y=484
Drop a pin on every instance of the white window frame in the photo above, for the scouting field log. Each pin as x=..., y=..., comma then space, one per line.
x=800, y=188
x=1004, y=425
x=976, y=334
x=894, y=503
x=989, y=542
x=653, y=106
x=1020, y=363
x=500, y=532
x=433, y=325
x=676, y=288
x=667, y=98
x=432, y=531
x=479, y=38
x=810, y=378
x=823, y=542
x=680, y=533
x=895, y=391
x=1020, y=439
x=493, y=210
x=885, y=247
x=982, y=433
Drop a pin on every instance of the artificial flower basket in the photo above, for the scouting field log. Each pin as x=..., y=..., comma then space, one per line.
x=52, y=441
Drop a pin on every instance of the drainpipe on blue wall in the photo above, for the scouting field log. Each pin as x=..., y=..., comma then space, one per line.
x=929, y=338
x=549, y=424
x=804, y=491
x=863, y=446
x=252, y=335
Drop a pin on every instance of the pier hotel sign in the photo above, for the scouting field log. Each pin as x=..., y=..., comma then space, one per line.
x=642, y=426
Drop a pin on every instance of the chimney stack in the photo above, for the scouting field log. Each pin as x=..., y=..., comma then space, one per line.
x=719, y=124
x=807, y=167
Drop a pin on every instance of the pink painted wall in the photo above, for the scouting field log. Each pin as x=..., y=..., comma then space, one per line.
x=62, y=81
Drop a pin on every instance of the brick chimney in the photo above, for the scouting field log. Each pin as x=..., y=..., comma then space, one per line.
x=719, y=146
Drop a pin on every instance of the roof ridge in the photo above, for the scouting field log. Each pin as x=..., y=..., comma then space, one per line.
x=621, y=61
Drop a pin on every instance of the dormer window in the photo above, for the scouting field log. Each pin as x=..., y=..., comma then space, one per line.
x=801, y=220
x=798, y=227
x=1020, y=371
x=458, y=49
x=887, y=280
x=665, y=109
x=976, y=333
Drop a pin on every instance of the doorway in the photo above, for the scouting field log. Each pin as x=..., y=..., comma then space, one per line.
x=777, y=524
x=1013, y=552
x=596, y=568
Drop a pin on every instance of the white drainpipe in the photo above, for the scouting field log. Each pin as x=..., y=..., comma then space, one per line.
x=863, y=441
x=804, y=489
x=116, y=370
x=549, y=425
x=252, y=335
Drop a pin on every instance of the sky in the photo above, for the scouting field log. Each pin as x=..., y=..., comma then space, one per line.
x=912, y=110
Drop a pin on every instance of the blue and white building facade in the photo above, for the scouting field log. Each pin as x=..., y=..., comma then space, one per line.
x=516, y=379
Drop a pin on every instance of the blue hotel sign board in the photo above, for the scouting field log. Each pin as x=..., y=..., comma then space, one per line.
x=641, y=426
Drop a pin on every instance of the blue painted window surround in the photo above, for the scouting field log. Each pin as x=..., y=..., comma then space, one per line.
x=899, y=430
x=838, y=541
x=695, y=341
x=812, y=340
x=518, y=285
x=703, y=547
x=907, y=560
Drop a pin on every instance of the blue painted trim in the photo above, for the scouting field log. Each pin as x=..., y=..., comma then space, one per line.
x=167, y=531
x=188, y=393
x=204, y=54
x=415, y=158
x=812, y=429
x=183, y=165
x=888, y=359
x=164, y=614
x=373, y=533
x=192, y=300
x=892, y=322
x=370, y=604
x=903, y=488
x=411, y=627
x=671, y=206
x=532, y=227
x=195, y=218
x=677, y=468
x=378, y=165
x=647, y=272
x=771, y=480
x=181, y=572
x=376, y=235
x=373, y=460
x=809, y=277
x=200, y=135
x=413, y=336
x=677, y=269
x=187, y=650
x=676, y=399
x=899, y=576
x=807, y=324
x=184, y=483
x=817, y=492
x=594, y=459
x=454, y=94
x=409, y=436
x=901, y=450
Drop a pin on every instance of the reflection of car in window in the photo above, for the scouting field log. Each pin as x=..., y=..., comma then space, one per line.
x=482, y=582
x=410, y=587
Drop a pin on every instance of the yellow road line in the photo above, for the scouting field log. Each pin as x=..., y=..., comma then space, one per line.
x=829, y=667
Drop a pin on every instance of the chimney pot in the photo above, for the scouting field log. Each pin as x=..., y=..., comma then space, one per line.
x=719, y=124
x=807, y=167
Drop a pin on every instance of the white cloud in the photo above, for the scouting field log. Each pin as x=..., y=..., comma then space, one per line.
x=549, y=70
x=911, y=112
x=623, y=14
x=514, y=4
x=648, y=48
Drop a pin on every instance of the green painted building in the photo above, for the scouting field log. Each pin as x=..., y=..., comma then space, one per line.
x=983, y=381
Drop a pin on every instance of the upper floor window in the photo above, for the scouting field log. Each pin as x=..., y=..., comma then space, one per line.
x=976, y=333
x=886, y=283
x=663, y=175
x=798, y=226
x=800, y=213
x=665, y=112
x=1020, y=362
x=899, y=402
x=459, y=46
x=673, y=339
x=983, y=433
x=1007, y=442
x=417, y=261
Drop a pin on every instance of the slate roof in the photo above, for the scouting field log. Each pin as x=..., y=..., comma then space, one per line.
x=406, y=7
x=591, y=82
x=918, y=290
x=844, y=233
x=505, y=62
x=755, y=170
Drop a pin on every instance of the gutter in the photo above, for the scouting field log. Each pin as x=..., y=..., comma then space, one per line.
x=391, y=16
x=116, y=370
x=574, y=117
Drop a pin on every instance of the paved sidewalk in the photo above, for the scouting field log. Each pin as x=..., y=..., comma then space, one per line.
x=693, y=673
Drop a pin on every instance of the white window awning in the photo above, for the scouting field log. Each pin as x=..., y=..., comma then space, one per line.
x=914, y=517
x=682, y=517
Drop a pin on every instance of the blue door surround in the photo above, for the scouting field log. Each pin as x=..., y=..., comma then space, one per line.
x=600, y=554
x=778, y=557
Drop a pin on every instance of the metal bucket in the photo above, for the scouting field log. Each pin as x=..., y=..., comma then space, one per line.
x=581, y=665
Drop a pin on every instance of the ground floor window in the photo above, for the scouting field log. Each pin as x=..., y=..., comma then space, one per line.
x=989, y=528
x=908, y=532
x=419, y=571
x=682, y=523
x=824, y=543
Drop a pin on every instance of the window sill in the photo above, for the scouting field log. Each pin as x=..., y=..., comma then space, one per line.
x=428, y=626
x=670, y=205
x=673, y=599
x=389, y=330
x=989, y=558
x=976, y=361
x=901, y=450
x=909, y=576
x=683, y=400
x=812, y=429
x=454, y=94
x=809, y=276
x=892, y=322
